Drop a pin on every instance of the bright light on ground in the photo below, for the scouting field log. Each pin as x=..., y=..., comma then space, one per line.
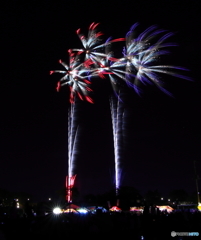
x=82, y=210
x=57, y=210
x=199, y=206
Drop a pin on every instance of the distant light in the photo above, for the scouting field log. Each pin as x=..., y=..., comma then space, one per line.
x=161, y=198
x=168, y=199
x=18, y=205
x=49, y=199
x=57, y=210
x=27, y=199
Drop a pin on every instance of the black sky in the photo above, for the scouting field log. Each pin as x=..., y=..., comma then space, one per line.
x=163, y=134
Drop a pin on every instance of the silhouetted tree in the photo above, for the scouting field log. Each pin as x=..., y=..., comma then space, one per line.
x=179, y=195
x=5, y=197
x=153, y=197
x=129, y=196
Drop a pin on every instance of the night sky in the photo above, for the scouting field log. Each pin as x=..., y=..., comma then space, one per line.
x=162, y=135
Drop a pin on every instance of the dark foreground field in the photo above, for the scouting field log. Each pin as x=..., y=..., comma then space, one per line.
x=131, y=226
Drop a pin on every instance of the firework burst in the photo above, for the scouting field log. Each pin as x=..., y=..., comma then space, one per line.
x=140, y=57
x=138, y=65
x=75, y=76
x=92, y=44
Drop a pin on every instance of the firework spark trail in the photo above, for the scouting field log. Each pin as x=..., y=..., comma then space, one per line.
x=117, y=112
x=106, y=64
x=75, y=76
x=137, y=58
x=73, y=128
x=106, y=67
x=116, y=75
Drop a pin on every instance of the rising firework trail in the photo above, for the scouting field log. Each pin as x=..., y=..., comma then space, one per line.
x=75, y=75
x=73, y=129
x=137, y=66
x=117, y=115
x=114, y=69
x=106, y=65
